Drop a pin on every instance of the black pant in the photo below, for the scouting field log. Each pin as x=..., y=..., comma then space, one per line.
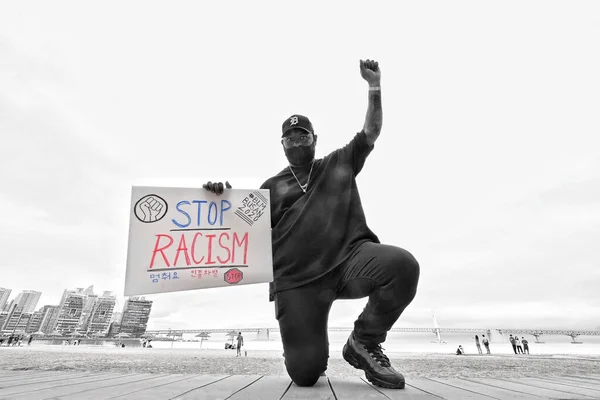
x=388, y=275
x=519, y=349
x=514, y=346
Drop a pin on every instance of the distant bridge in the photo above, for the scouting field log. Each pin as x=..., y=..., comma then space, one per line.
x=263, y=333
x=177, y=332
x=537, y=333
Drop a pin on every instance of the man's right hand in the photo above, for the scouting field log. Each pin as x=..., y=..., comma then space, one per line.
x=217, y=187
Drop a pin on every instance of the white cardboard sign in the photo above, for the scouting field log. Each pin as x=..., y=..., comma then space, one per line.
x=188, y=238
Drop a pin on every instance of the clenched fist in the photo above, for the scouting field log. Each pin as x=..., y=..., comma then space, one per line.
x=369, y=70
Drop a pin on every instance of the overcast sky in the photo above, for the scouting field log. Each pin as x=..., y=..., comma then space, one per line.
x=488, y=161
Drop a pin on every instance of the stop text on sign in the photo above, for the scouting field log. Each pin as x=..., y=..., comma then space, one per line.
x=202, y=212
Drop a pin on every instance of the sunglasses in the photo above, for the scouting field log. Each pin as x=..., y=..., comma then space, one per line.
x=303, y=140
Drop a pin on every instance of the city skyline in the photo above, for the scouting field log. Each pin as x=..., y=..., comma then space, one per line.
x=149, y=326
x=80, y=311
x=487, y=168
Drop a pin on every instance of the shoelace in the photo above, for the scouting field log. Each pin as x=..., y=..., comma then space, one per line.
x=376, y=352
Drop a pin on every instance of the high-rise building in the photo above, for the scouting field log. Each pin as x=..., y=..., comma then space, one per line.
x=71, y=309
x=16, y=320
x=49, y=317
x=101, y=314
x=83, y=311
x=23, y=323
x=27, y=300
x=88, y=307
x=136, y=313
x=8, y=305
x=35, y=321
x=4, y=295
x=3, y=318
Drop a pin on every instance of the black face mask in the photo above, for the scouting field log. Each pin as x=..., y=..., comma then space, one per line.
x=301, y=155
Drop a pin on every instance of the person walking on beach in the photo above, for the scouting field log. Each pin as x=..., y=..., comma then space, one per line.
x=518, y=344
x=240, y=343
x=525, y=345
x=323, y=251
x=486, y=343
x=477, y=344
x=512, y=343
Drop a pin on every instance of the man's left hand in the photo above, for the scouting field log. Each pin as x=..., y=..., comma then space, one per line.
x=369, y=70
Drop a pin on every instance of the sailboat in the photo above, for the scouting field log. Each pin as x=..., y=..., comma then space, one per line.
x=436, y=330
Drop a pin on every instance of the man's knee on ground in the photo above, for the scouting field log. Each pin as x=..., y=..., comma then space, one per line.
x=305, y=369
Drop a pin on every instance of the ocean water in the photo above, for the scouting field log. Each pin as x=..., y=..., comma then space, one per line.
x=403, y=342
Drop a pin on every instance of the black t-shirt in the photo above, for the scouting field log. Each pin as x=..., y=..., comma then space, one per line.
x=314, y=232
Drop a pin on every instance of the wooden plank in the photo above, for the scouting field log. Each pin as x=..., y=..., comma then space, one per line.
x=556, y=385
x=221, y=389
x=65, y=388
x=569, y=382
x=524, y=388
x=35, y=389
x=33, y=374
x=409, y=391
x=587, y=378
x=106, y=389
x=320, y=390
x=19, y=385
x=354, y=388
x=174, y=389
x=573, y=382
x=444, y=391
x=266, y=388
x=490, y=391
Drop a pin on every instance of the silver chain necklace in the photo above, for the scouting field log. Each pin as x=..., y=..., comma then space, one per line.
x=305, y=186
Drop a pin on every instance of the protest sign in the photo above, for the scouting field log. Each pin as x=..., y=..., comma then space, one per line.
x=185, y=239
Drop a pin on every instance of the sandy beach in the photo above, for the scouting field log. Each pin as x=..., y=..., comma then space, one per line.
x=269, y=362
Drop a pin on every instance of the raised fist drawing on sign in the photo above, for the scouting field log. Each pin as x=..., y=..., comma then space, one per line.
x=150, y=208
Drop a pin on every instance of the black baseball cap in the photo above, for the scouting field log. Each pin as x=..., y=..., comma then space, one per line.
x=297, y=121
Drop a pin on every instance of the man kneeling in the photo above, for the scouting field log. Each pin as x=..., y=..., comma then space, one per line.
x=323, y=250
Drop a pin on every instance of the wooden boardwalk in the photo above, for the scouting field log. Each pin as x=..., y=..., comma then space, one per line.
x=90, y=385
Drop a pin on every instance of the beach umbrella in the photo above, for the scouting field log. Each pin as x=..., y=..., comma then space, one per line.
x=123, y=335
x=232, y=335
x=203, y=336
x=38, y=333
x=75, y=333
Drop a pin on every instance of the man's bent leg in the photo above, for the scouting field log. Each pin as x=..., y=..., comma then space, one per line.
x=302, y=314
x=389, y=276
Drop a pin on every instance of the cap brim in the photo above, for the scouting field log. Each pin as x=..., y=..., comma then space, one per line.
x=294, y=127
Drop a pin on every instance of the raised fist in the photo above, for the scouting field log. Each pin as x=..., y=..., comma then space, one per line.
x=150, y=208
x=370, y=71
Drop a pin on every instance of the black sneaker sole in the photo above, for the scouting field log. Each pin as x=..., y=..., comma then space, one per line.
x=356, y=364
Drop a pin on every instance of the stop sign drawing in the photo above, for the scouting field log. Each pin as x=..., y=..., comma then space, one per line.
x=233, y=276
